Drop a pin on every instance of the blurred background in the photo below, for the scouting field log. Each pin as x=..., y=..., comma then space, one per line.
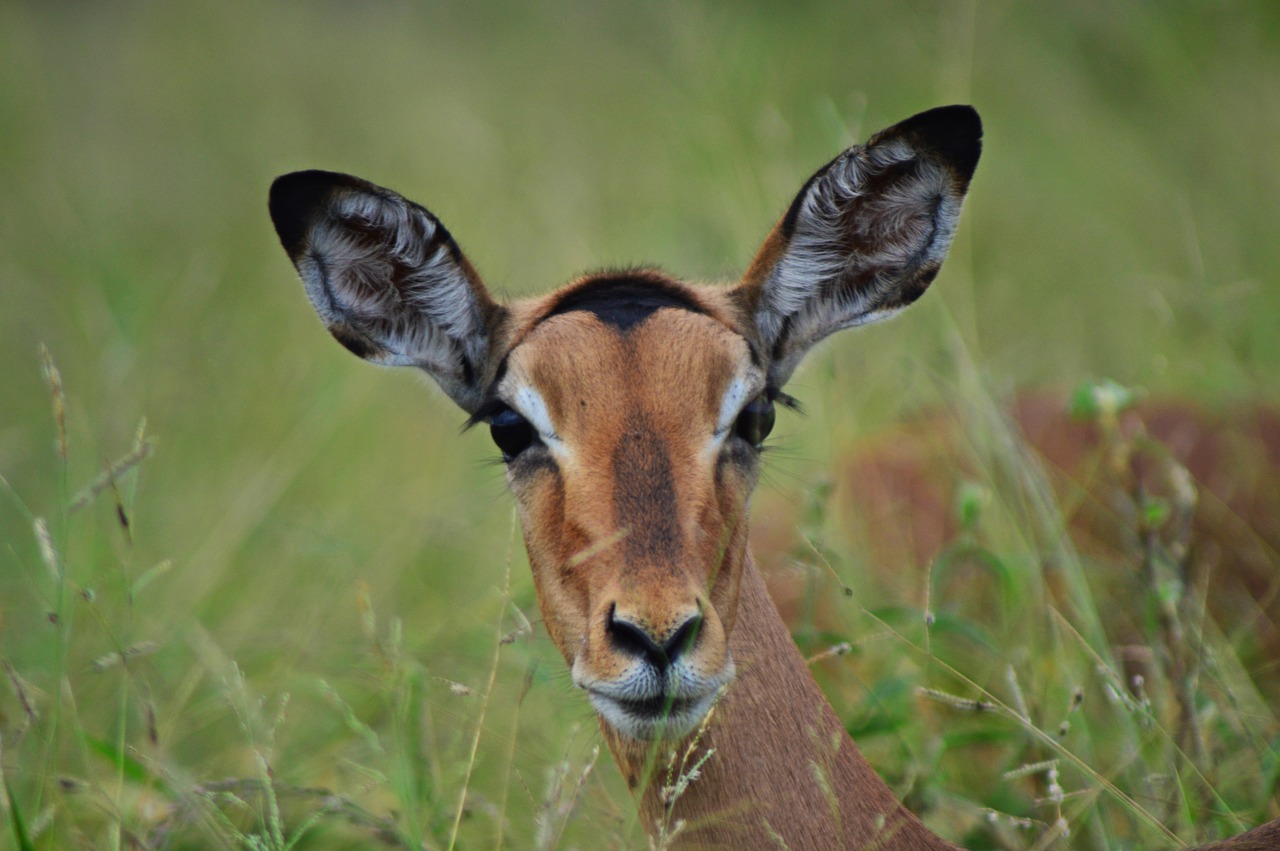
x=307, y=525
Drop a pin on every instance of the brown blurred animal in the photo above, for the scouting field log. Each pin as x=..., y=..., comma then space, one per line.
x=900, y=488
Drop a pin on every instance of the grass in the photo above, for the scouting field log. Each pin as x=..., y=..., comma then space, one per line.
x=278, y=616
x=1047, y=719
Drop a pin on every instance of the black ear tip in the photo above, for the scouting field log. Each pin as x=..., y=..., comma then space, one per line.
x=954, y=132
x=295, y=201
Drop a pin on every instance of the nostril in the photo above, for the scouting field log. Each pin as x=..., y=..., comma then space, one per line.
x=684, y=638
x=634, y=640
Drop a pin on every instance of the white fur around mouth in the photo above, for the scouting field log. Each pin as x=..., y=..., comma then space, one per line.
x=661, y=717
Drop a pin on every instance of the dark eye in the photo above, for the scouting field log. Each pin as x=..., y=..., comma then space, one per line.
x=756, y=421
x=511, y=432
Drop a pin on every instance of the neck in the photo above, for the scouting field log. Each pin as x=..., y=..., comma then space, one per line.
x=783, y=767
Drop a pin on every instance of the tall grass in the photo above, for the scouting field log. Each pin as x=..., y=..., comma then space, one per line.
x=274, y=613
x=1082, y=698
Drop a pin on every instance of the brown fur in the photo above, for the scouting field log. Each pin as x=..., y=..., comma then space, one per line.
x=602, y=533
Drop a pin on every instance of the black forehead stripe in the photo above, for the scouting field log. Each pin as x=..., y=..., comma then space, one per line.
x=623, y=301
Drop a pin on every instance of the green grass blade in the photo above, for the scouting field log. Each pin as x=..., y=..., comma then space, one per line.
x=15, y=818
x=133, y=769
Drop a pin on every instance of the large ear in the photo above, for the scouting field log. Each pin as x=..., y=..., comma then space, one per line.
x=865, y=237
x=388, y=280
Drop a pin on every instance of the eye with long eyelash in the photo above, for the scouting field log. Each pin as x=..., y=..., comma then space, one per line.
x=756, y=420
x=511, y=432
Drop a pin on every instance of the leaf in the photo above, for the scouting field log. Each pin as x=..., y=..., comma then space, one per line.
x=947, y=626
x=971, y=498
x=1101, y=400
x=1271, y=767
x=874, y=724
x=15, y=818
x=967, y=738
x=133, y=769
x=1169, y=591
x=886, y=709
x=1155, y=512
x=349, y=717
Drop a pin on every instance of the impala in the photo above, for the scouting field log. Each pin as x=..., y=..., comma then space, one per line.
x=630, y=408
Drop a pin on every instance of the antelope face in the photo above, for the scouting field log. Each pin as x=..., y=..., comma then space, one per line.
x=630, y=408
x=631, y=416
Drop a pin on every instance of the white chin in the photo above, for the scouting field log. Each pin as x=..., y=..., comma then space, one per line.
x=675, y=721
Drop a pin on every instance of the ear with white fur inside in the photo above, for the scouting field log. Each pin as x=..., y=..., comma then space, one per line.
x=387, y=279
x=865, y=237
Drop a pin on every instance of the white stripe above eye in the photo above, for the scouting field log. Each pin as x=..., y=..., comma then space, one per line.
x=529, y=404
x=735, y=396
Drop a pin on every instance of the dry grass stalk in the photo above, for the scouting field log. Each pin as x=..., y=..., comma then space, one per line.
x=108, y=477
x=54, y=378
x=48, y=554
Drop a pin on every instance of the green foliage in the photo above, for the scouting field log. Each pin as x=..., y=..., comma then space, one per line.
x=20, y=835
x=191, y=656
x=1102, y=400
x=1044, y=725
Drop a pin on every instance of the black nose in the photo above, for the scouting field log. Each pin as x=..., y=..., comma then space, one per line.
x=635, y=640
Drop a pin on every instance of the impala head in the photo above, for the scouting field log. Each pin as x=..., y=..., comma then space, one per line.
x=630, y=407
